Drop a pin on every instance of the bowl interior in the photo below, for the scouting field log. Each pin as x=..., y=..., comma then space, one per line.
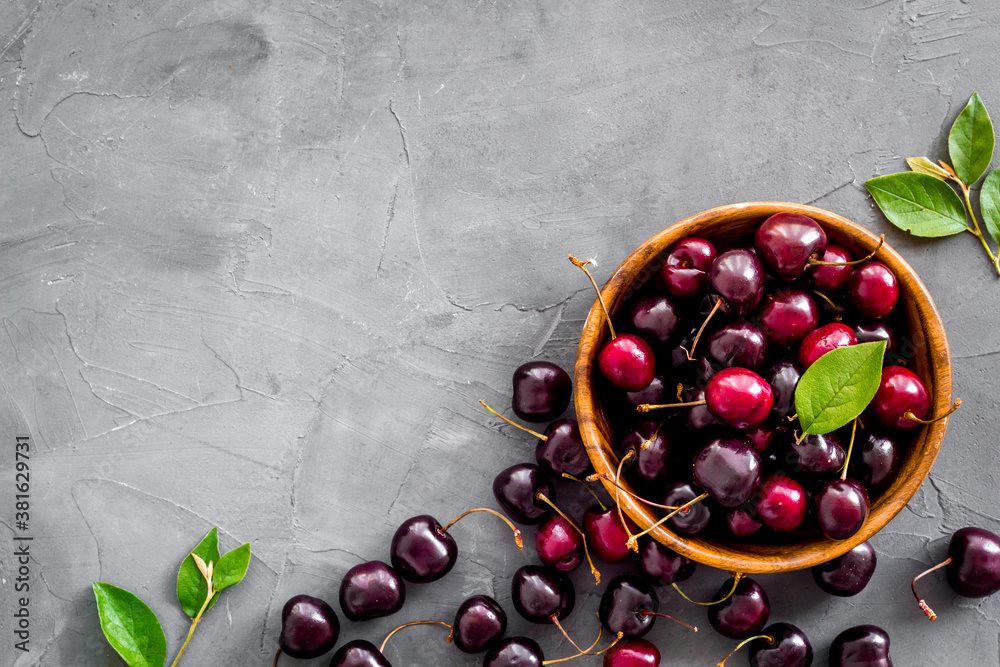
x=923, y=342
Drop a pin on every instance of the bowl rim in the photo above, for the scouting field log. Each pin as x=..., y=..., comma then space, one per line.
x=819, y=550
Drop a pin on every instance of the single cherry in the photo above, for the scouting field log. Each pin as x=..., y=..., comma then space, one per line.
x=479, y=624
x=634, y=652
x=739, y=397
x=876, y=330
x=847, y=575
x=901, y=392
x=742, y=523
x=832, y=277
x=359, y=653
x=778, y=645
x=651, y=445
x=783, y=377
x=817, y=454
x=698, y=416
x=542, y=594
x=861, y=646
x=309, y=628
x=878, y=461
x=841, y=508
x=728, y=469
x=873, y=289
x=653, y=393
x=685, y=271
x=744, y=613
x=692, y=520
x=738, y=278
x=787, y=241
x=787, y=316
x=738, y=343
x=606, y=535
x=559, y=544
x=822, y=340
x=541, y=391
x=516, y=490
x=560, y=448
x=781, y=503
x=371, y=590
x=767, y=437
x=515, y=652
x=655, y=318
x=973, y=566
x=663, y=566
x=628, y=606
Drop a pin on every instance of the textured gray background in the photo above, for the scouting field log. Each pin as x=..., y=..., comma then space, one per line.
x=260, y=259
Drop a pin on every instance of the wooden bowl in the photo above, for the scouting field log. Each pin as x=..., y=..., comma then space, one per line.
x=931, y=361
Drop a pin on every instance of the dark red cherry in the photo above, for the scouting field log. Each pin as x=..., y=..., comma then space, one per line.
x=541, y=592
x=789, y=647
x=516, y=490
x=877, y=462
x=515, y=652
x=422, y=551
x=605, y=535
x=841, y=508
x=861, y=646
x=685, y=271
x=692, y=520
x=824, y=339
x=818, y=454
x=739, y=397
x=728, y=469
x=627, y=362
x=699, y=416
x=563, y=449
x=663, y=566
x=783, y=377
x=744, y=614
x=781, y=503
x=786, y=316
x=653, y=393
x=767, y=437
x=370, y=590
x=738, y=277
x=628, y=605
x=787, y=241
x=654, y=317
x=848, y=574
x=742, y=523
x=633, y=653
x=831, y=279
x=974, y=571
x=359, y=653
x=651, y=462
x=479, y=624
x=874, y=331
x=738, y=343
x=559, y=544
x=900, y=391
x=541, y=391
x=309, y=627
x=873, y=289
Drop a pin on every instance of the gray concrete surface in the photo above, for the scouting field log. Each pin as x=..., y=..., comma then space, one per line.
x=260, y=260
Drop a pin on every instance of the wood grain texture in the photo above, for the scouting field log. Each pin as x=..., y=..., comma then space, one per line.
x=931, y=361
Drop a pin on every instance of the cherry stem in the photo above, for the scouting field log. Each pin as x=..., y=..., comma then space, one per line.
x=736, y=580
x=586, y=486
x=928, y=612
x=618, y=499
x=955, y=406
x=647, y=442
x=850, y=448
x=769, y=639
x=836, y=318
x=381, y=649
x=690, y=354
x=600, y=297
x=645, y=613
x=588, y=651
x=611, y=645
x=593, y=570
x=646, y=407
x=818, y=262
x=633, y=494
x=517, y=533
x=555, y=619
x=276, y=656
x=634, y=545
x=515, y=424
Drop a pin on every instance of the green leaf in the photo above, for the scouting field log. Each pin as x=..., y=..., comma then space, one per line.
x=922, y=165
x=191, y=585
x=838, y=386
x=131, y=626
x=231, y=568
x=919, y=204
x=970, y=141
x=989, y=202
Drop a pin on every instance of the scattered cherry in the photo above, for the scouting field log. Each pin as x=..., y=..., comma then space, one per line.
x=542, y=594
x=542, y=391
x=820, y=341
x=861, y=646
x=848, y=574
x=559, y=544
x=359, y=653
x=606, y=535
x=973, y=566
x=778, y=645
x=685, y=270
x=628, y=606
x=560, y=448
x=873, y=289
x=728, y=469
x=515, y=652
x=744, y=613
x=787, y=241
x=309, y=628
x=516, y=490
x=787, y=316
x=371, y=590
x=633, y=652
x=479, y=624
x=781, y=503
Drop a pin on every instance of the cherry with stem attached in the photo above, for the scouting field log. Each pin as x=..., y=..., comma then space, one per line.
x=524, y=652
x=842, y=504
x=973, y=566
x=361, y=653
x=593, y=570
x=561, y=448
x=778, y=644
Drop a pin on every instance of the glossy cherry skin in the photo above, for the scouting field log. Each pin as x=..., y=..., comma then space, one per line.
x=515, y=652
x=728, y=469
x=831, y=279
x=309, y=627
x=738, y=277
x=653, y=393
x=623, y=603
x=876, y=464
x=742, y=523
x=650, y=462
x=516, y=490
x=783, y=377
x=899, y=391
x=822, y=340
x=541, y=391
x=685, y=271
x=789, y=647
x=633, y=653
x=787, y=316
x=563, y=449
x=766, y=437
x=781, y=503
x=699, y=416
x=605, y=535
x=627, y=362
x=744, y=614
x=692, y=520
x=841, y=508
x=847, y=575
x=874, y=331
x=359, y=653
x=421, y=551
x=655, y=318
x=479, y=624
x=371, y=590
x=861, y=646
x=739, y=397
x=558, y=544
x=663, y=566
x=974, y=571
x=738, y=343
x=540, y=592
x=818, y=454
x=787, y=241
x=873, y=289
